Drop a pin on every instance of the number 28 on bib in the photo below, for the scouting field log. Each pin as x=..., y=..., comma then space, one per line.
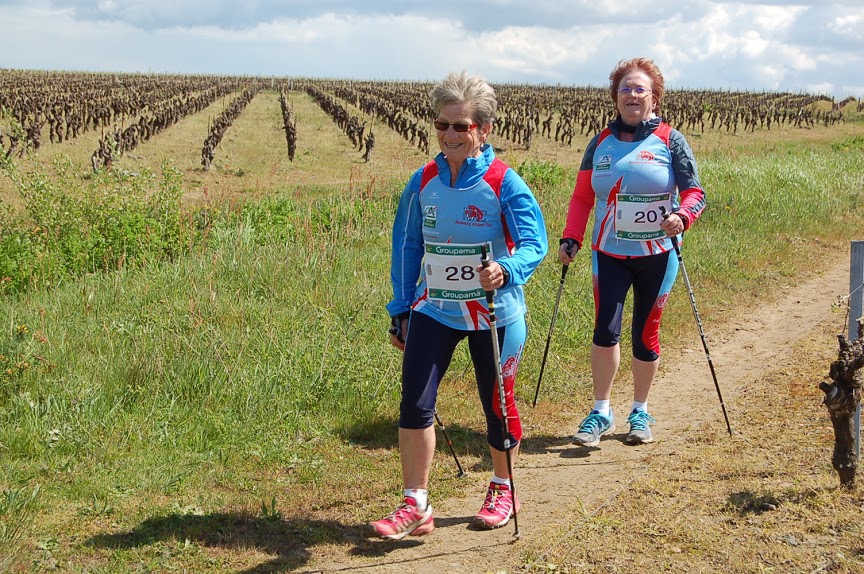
x=451, y=271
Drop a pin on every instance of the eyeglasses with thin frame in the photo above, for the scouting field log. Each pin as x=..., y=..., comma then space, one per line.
x=638, y=91
x=443, y=126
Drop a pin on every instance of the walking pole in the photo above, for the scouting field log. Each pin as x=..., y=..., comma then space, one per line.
x=496, y=352
x=450, y=444
x=698, y=321
x=549, y=336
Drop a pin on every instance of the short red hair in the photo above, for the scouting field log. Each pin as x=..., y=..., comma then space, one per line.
x=647, y=67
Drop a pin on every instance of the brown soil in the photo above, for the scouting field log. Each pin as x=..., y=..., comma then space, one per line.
x=560, y=484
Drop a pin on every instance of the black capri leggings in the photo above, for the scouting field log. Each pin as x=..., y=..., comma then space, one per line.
x=429, y=349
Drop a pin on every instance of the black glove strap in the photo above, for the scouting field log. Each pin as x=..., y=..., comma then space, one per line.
x=570, y=243
x=396, y=325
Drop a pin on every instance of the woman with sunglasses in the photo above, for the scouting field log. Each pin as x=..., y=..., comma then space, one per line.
x=632, y=173
x=464, y=199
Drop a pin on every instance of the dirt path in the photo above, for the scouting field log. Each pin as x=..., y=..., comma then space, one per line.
x=559, y=484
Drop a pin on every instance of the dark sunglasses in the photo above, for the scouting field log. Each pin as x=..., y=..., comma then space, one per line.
x=443, y=126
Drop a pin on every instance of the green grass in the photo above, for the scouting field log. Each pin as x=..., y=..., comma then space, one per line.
x=248, y=375
x=76, y=223
x=16, y=515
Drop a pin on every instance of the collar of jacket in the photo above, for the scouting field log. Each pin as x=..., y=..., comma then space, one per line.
x=643, y=130
x=472, y=171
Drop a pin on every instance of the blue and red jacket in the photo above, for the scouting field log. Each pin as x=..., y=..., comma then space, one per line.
x=489, y=203
x=659, y=160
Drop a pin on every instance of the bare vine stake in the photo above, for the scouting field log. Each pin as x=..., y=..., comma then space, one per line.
x=842, y=397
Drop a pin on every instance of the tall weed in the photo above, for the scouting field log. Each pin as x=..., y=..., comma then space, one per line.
x=542, y=176
x=17, y=510
x=74, y=224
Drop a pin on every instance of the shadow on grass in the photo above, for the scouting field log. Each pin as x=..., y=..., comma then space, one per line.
x=372, y=434
x=384, y=433
x=288, y=539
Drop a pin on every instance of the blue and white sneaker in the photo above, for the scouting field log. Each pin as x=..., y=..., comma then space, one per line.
x=640, y=427
x=593, y=427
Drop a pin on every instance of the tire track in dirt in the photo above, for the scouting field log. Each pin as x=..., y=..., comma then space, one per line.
x=560, y=485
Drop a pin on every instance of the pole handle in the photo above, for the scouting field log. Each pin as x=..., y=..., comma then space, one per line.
x=674, y=238
x=485, y=261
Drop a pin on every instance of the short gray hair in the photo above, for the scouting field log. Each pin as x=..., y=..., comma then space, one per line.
x=458, y=88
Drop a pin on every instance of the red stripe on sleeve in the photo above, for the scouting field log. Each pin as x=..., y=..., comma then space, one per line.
x=581, y=204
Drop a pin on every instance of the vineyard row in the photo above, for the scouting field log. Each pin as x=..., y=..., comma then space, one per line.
x=130, y=108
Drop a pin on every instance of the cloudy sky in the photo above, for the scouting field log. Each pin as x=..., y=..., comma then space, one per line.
x=800, y=46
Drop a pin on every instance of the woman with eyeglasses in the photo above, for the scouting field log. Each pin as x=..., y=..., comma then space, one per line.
x=639, y=176
x=464, y=199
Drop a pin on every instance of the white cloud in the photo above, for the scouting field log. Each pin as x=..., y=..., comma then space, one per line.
x=774, y=18
x=851, y=25
x=749, y=30
x=539, y=51
x=709, y=44
x=773, y=76
x=820, y=88
x=752, y=44
x=797, y=59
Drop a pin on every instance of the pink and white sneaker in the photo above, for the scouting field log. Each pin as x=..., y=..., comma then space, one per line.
x=405, y=520
x=497, y=508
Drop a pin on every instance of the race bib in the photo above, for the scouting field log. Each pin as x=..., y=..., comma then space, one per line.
x=638, y=217
x=451, y=271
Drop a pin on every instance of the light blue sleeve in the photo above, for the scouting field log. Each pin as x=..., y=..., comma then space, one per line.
x=526, y=226
x=407, y=251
